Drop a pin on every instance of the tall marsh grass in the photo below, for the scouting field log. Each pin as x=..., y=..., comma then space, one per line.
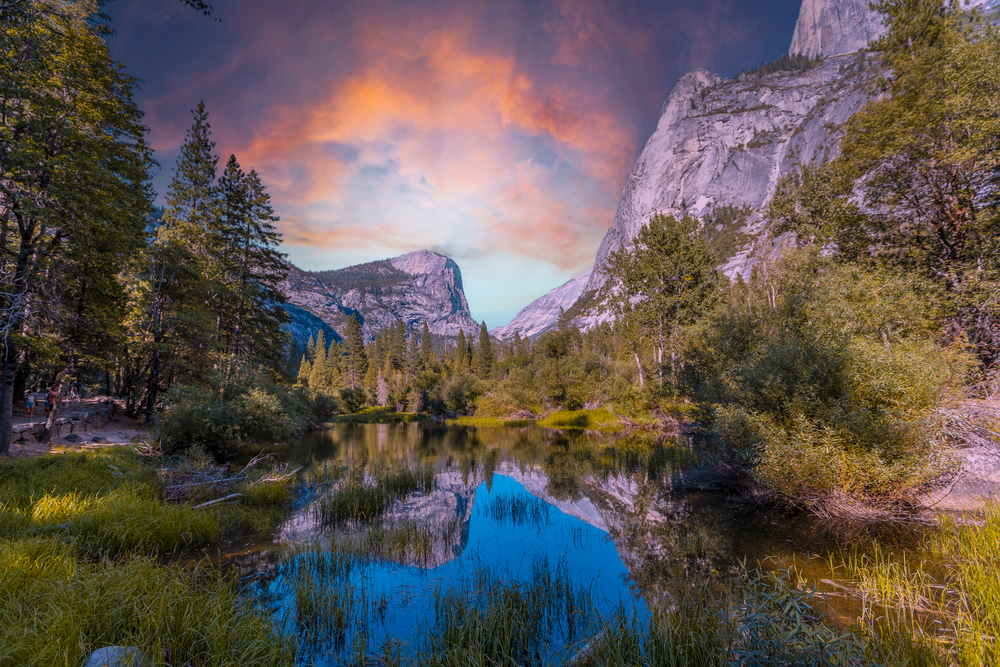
x=56, y=608
x=366, y=495
x=518, y=510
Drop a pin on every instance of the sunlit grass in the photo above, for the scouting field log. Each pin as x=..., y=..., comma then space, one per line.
x=55, y=609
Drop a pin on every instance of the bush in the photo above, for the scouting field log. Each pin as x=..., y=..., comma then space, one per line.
x=352, y=400
x=253, y=411
x=824, y=380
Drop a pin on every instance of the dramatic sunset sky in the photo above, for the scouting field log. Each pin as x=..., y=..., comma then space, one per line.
x=499, y=133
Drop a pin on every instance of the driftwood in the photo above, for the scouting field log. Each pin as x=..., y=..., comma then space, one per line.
x=217, y=501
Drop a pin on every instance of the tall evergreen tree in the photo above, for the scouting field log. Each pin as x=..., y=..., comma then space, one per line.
x=305, y=369
x=459, y=354
x=355, y=359
x=251, y=269
x=485, y=357
x=426, y=346
x=319, y=375
x=192, y=197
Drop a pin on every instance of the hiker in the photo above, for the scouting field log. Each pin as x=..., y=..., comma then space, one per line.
x=50, y=400
x=29, y=404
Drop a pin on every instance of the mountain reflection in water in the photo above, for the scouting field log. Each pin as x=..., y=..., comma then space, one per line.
x=505, y=502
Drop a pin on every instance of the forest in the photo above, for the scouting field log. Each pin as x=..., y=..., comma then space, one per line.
x=828, y=384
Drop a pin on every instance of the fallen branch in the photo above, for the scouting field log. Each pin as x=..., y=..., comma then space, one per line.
x=205, y=482
x=229, y=498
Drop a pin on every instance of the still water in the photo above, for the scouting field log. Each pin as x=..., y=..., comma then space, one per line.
x=596, y=522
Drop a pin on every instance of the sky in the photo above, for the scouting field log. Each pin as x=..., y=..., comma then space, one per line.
x=499, y=133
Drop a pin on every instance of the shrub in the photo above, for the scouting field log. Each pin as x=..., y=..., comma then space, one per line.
x=352, y=400
x=253, y=411
x=824, y=379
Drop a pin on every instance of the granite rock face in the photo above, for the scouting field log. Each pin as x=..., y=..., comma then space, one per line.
x=826, y=28
x=418, y=286
x=543, y=313
x=721, y=145
x=725, y=143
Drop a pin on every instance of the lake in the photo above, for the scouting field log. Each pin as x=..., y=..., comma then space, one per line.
x=408, y=533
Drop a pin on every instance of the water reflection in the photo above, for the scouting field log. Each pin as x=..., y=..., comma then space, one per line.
x=599, y=508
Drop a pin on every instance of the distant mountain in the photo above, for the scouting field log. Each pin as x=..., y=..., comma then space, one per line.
x=542, y=314
x=418, y=286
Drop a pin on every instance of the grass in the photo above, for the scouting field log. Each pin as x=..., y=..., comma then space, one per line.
x=518, y=510
x=56, y=608
x=365, y=500
x=506, y=624
x=594, y=420
x=80, y=536
x=378, y=416
x=764, y=618
x=490, y=422
x=600, y=419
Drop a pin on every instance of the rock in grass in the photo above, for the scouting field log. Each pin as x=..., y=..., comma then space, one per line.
x=116, y=656
x=99, y=440
x=72, y=437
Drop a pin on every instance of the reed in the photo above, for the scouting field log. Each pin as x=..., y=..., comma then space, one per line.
x=518, y=510
x=402, y=542
x=762, y=618
x=353, y=503
x=57, y=608
x=495, y=622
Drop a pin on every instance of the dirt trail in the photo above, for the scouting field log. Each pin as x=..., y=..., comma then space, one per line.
x=121, y=430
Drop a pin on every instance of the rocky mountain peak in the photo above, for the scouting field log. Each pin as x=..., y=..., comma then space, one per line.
x=834, y=27
x=415, y=287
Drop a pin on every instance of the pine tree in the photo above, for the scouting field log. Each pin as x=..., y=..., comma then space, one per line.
x=305, y=369
x=319, y=376
x=311, y=348
x=426, y=346
x=249, y=268
x=192, y=197
x=355, y=359
x=485, y=355
x=414, y=359
x=460, y=348
x=334, y=366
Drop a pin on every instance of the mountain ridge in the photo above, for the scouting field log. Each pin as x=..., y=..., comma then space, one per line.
x=415, y=287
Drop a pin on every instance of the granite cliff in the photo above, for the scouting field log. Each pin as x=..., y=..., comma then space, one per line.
x=415, y=287
x=543, y=313
x=721, y=145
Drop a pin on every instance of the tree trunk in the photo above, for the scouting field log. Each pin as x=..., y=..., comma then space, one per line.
x=638, y=364
x=152, y=387
x=9, y=364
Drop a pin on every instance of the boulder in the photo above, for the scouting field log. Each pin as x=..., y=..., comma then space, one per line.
x=72, y=437
x=99, y=440
x=116, y=656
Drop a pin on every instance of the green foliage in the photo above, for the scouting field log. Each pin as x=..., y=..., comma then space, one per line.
x=795, y=62
x=825, y=379
x=74, y=189
x=107, y=502
x=923, y=161
x=255, y=410
x=57, y=609
x=661, y=284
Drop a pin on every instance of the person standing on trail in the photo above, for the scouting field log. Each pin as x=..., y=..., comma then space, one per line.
x=50, y=400
x=29, y=404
